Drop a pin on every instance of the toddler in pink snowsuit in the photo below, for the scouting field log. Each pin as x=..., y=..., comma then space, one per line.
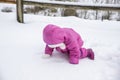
x=65, y=40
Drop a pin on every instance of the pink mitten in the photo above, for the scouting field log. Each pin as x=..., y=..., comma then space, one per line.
x=74, y=60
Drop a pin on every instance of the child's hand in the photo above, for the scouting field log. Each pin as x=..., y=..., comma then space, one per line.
x=74, y=60
x=46, y=56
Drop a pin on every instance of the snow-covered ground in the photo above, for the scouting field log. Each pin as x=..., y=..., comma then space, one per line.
x=22, y=47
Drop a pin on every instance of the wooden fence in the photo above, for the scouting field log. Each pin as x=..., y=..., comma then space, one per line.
x=20, y=3
x=8, y=1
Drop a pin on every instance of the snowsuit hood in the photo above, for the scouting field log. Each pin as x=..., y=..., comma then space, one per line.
x=53, y=34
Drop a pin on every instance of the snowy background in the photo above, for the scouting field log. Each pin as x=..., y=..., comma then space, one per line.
x=81, y=13
x=22, y=48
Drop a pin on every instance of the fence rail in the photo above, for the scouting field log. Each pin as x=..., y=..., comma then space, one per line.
x=8, y=1
x=20, y=4
x=73, y=5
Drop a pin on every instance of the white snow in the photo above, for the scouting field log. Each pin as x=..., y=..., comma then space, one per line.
x=22, y=47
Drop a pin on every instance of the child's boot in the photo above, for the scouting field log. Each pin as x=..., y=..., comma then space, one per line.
x=90, y=54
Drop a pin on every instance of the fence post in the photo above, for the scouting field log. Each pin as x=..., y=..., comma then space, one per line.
x=19, y=7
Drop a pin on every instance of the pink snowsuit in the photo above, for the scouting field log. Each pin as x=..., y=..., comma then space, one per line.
x=53, y=34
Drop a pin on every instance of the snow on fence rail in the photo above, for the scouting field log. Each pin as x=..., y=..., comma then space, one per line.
x=74, y=5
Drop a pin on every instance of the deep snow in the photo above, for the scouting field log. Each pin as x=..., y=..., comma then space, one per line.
x=22, y=47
